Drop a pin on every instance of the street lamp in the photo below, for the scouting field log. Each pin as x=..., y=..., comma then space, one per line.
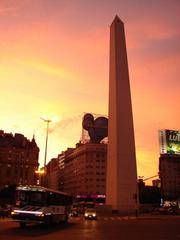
x=47, y=131
x=40, y=173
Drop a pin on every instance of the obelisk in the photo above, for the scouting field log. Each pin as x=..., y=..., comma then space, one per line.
x=121, y=182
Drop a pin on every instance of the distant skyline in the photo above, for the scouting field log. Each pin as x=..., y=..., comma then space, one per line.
x=55, y=62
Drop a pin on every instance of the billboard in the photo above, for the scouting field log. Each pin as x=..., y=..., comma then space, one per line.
x=169, y=142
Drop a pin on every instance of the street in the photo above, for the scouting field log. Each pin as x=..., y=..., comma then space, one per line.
x=105, y=228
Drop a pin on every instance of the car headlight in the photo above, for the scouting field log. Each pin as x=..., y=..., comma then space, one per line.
x=86, y=214
x=14, y=213
x=94, y=215
x=40, y=215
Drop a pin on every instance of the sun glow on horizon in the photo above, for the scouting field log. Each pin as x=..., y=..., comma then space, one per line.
x=57, y=64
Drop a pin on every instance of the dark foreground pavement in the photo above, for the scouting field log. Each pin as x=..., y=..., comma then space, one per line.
x=104, y=228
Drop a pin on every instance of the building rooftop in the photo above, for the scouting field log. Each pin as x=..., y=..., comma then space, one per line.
x=17, y=140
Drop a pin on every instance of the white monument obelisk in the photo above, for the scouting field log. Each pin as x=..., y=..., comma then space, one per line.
x=121, y=186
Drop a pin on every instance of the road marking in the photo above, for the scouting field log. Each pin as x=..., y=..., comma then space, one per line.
x=116, y=218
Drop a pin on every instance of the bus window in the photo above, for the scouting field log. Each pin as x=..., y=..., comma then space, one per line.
x=24, y=198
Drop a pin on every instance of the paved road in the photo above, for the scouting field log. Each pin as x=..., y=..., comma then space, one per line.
x=105, y=228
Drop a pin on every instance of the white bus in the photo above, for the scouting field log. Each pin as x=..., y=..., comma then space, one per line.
x=36, y=204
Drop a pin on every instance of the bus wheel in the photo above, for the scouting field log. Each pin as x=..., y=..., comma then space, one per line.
x=22, y=224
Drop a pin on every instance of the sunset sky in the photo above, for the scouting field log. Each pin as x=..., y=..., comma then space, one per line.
x=54, y=61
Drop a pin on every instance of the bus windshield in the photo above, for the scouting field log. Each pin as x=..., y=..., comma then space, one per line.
x=33, y=198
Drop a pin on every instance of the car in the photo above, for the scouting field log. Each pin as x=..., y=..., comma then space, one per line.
x=90, y=213
x=167, y=210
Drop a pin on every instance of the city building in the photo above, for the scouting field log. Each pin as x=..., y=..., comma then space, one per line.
x=85, y=170
x=80, y=171
x=18, y=159
x=54, y=172
x=169, y=168
x=61, y=163
x=169, y=164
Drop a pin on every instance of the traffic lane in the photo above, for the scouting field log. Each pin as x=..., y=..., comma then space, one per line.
x=156, y=229
x=11, y=230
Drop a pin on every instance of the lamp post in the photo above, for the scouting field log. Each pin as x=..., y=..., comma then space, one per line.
x=47, y=131
x=39, y=173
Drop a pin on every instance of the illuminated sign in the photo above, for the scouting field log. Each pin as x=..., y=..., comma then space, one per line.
x=169, y=142
x=91, y=196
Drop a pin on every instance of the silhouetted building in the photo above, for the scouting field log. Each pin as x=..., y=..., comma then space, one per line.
x=18, y=159
x=141, y=184
x=61, y=161
x=148, y=194
x=169, y=170
x=156, y=183
x=52, y=174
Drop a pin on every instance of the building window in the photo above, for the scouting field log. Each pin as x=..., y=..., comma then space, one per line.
x=26, y=173
x=16, y=171
x=8, y=171
x=97, y=155
x=21, y=172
